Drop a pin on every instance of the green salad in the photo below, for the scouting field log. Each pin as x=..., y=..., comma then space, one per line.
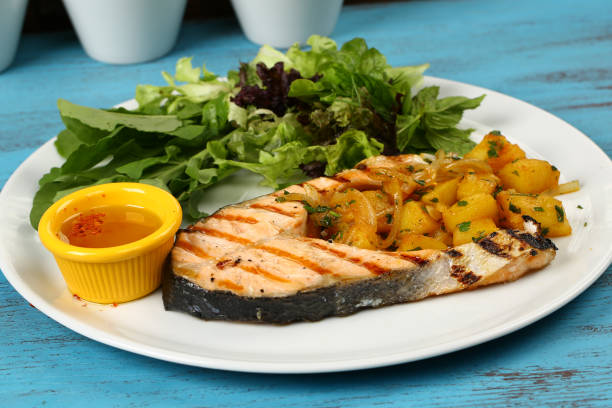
x=285, y=116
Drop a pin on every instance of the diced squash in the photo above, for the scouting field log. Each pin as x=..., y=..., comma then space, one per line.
x=546, y=210
x=441, y=234
x=414, y=242
x=360, y=239
x=414, y=218
x=496, y=150
x=473, y=208
x=383, y=209
x=444, y=193
x=473, y=231
x=472, y=184
x=529, y=176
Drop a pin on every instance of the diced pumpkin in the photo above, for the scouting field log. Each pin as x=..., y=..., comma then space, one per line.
x=414, y=242
x=473, y=208
x=383, y=209
x=496, y=150
x=414, y=218
x=546, y=210
x=441, y=234
x=444, y=193
x=529, y=176
x=472, y=184
x=473, y=231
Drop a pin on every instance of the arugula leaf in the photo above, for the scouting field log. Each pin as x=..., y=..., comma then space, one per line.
x=108, y=121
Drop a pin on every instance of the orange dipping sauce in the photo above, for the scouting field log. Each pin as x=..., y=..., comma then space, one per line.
x=109, y=226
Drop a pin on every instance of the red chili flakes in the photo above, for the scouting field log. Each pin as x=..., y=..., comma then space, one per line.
x=85, y=225
x=77, y=297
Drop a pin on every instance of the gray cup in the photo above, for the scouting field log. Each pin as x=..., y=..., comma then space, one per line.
x=11, y=21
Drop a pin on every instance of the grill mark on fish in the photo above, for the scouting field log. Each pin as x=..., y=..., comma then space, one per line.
x=260, y=271
x=226, y=262
x=492, y=248
x=453, y=253
x=189, y=247
x=537, y=242
x=221, y=234
x=273, y=209
x=465, y=277
x=370, y=266
x=413, y=258
x=296, y=258
x=234, y=217
x=230, y=285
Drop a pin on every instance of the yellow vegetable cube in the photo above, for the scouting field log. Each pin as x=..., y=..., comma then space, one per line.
x=443, y=235
x=414, y=218
x=546, y=210
x=473, y=231
x=496, y=150
x=414, y=242
x=529, y=176
x=473, y=208
x=444, y=193
x=472, y=184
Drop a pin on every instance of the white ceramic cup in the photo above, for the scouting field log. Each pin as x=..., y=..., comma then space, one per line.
x=126, y=31
x=281, y=23
x=11, y=21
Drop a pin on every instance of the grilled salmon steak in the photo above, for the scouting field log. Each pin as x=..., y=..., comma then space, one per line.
x=262, y=261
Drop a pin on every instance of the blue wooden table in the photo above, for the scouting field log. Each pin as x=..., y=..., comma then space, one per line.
x=556, y=54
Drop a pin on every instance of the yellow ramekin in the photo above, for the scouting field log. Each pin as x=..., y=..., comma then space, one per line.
x=120, y=273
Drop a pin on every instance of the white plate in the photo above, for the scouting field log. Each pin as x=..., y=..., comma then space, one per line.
x=367, y=339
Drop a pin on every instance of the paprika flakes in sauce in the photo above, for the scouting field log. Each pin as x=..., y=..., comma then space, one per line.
x=109, y=226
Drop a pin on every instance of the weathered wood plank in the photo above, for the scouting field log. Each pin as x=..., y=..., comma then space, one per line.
x=554, y=54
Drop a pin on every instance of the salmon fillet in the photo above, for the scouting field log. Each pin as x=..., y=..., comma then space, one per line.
x=252, y=261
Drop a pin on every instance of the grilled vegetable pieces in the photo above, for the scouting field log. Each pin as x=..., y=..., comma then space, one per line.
x=370, y=236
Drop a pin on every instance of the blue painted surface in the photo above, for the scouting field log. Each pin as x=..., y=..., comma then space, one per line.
x=556, y=54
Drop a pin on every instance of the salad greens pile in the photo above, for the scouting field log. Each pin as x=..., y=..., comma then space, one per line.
x=283, y=115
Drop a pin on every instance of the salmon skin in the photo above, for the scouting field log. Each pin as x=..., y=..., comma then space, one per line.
x=253, y=262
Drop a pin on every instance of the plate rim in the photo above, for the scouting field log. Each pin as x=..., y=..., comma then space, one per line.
x=292, y=367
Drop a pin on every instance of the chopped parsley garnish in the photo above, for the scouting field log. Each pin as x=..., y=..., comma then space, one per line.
x=280, y=199
x=492, y=152
x=481, y=235
x=495, y=132
x=516, y=173
x=462, y=203
x=334, y=214
x=326, y=221
x=585, y=224
x=513, y=208
x=415, y=249
x=317, y=209
x=389, y=218
x=498, y=190
x=554, y=168
x=464, y=226
x=410, y=168
x=560, y=213
x=579, y=206
x=434, y=200
x=544, y=231
x=538, y=209
x=420, y=182
x=285, y=192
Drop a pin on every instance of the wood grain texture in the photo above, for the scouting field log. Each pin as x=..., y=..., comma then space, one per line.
x=555, y=54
